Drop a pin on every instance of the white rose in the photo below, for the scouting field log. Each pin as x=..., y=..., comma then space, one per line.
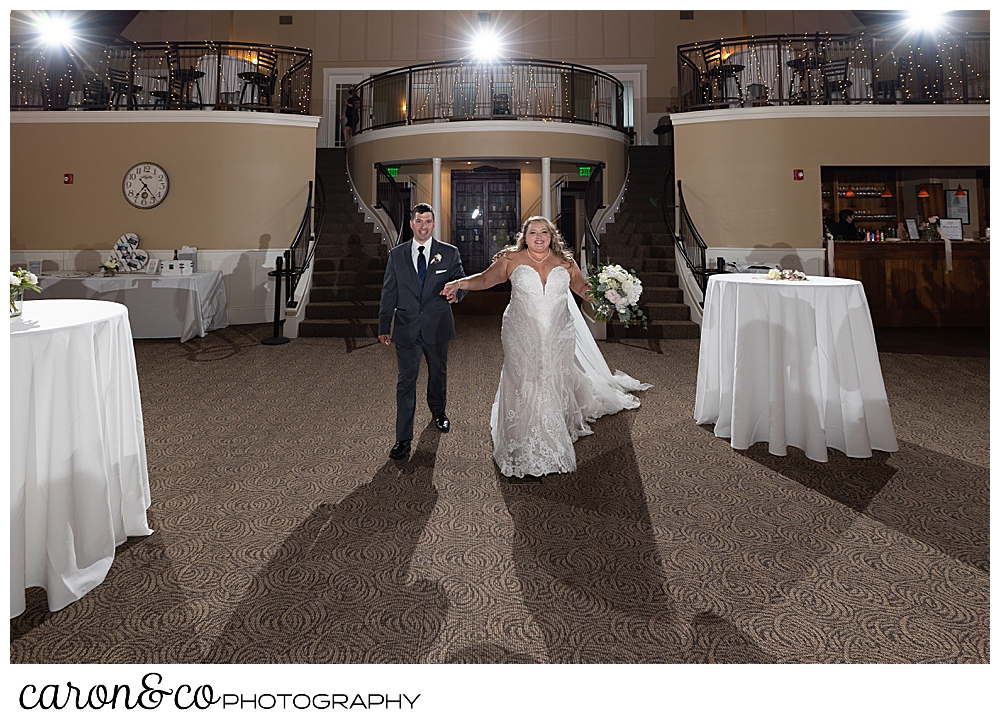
x=15, y=280
x=627, y=286
x=774, y=274
x=32, y=279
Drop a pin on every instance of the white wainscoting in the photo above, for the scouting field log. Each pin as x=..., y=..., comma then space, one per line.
x=249, y=290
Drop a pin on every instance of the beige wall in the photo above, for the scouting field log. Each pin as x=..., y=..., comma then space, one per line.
x=232, y=184
x=737, y=173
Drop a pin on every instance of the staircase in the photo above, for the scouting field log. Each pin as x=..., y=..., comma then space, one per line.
x=349, y=263
x=639, y=239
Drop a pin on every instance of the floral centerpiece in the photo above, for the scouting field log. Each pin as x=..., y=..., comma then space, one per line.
x=111, y=267
x=616, y=291
x=787, y=275
x=930, y=229
x=19, y=281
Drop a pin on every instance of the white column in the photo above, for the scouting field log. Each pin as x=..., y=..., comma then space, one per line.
x=436, y=188
x=546, y=188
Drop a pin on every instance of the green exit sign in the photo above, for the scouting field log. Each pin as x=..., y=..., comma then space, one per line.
x=585, y=171
x=392, y=171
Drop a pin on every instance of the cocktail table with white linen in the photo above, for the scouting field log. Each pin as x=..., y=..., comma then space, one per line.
x=78, y=479
x=792, y=363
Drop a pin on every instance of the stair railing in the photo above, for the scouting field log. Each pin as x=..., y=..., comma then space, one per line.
x=593, y=202
x=390, y=198
x=689, y=242
x=295, y=260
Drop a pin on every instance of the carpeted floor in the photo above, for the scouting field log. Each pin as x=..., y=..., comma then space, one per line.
x=283, y=534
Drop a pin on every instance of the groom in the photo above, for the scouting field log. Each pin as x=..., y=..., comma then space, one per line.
x=411, y=292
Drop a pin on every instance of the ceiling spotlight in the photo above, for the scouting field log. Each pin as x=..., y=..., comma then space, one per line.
x=485, y=47
x=55, y=31
x=924, y=19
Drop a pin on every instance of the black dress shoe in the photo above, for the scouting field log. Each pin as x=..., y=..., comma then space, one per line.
x=443, y=423
x=400, y=450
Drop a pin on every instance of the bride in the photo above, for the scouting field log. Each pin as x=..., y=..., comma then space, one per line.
x=554, y=379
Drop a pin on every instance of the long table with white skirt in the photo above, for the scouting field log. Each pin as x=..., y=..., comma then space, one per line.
x=792, y=363
x=159, y=307
x=78, y=480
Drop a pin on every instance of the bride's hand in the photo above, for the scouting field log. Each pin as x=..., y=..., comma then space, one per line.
x=450, y=290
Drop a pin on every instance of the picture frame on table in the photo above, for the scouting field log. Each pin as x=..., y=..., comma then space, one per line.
x=35, y=266
x=912, y=230
x=950, y=229
x=153, y=267
x=957, y=206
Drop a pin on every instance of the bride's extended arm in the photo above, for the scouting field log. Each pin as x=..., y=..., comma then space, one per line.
x=578, y=282
x=496, y=274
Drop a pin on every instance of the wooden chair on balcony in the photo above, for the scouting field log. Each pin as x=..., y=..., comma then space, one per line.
x=835, y=82
x=180, y=85
x=260, y=82
x=122, y=89
x=722, y=78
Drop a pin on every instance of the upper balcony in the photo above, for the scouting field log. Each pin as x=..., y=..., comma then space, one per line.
x=511, y=89
x=161, y=76
x=888, y=67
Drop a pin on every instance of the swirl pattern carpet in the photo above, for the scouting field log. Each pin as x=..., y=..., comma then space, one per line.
x=284, y=534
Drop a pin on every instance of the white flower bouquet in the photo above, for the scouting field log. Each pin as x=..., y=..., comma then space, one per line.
x=787, y=275
x=20, y=280
x=111, y=267
x=616, y=291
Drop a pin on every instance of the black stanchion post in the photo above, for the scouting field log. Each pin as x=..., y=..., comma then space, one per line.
x=277, y=274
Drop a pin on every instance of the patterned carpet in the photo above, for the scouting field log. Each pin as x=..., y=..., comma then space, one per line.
x=283, y=533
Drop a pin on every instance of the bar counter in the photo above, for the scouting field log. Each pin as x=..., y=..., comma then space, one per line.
x=907, y=285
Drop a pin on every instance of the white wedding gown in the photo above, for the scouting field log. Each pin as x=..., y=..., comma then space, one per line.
x=554, y=378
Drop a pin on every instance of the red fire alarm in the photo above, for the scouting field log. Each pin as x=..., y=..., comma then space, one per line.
x=67, y=178
x=798, y=174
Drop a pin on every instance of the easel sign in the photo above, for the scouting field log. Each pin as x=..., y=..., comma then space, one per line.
x=950, y=229
x=912, y=230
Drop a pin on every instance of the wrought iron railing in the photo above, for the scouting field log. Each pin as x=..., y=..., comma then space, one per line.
x=390, y=198
x=876, y=66
x=161, y=76
x=511, y=89
x=593, y=201
x=687, y=239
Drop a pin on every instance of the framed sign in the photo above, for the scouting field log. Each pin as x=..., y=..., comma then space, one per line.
x=950, y=229
x=958, y=206
x=912, y=229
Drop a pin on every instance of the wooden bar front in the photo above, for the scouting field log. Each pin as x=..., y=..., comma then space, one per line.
x=907, y=286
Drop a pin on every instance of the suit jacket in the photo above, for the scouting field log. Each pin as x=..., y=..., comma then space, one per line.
x=419, y=309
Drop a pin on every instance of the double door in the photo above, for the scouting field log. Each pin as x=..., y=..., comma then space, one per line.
x=485, y=214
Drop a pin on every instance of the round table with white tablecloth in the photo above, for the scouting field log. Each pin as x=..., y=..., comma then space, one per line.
x=78, y=479
x=792, y=363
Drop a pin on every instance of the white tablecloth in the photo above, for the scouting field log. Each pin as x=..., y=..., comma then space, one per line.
x=78, y=480
x=792, y=363
x=158, y=307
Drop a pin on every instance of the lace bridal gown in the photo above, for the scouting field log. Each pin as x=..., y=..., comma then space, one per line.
x=554, y=378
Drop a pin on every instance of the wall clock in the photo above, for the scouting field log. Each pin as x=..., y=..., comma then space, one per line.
x=146, y=185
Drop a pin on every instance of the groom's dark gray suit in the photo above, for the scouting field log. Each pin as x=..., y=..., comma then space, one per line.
x=423, y=325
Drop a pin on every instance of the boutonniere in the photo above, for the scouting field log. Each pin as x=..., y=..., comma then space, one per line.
x=435, y=259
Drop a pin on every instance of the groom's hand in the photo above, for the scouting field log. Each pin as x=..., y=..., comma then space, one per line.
x=385, y=339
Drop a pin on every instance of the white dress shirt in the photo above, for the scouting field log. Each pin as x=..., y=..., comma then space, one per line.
x=415, y=253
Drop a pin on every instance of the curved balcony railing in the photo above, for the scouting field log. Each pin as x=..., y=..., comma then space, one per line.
x=161, y=76
x=872, y=67
x=510, y=89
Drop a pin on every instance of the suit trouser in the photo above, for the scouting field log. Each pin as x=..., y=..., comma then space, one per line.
x=408, y=361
